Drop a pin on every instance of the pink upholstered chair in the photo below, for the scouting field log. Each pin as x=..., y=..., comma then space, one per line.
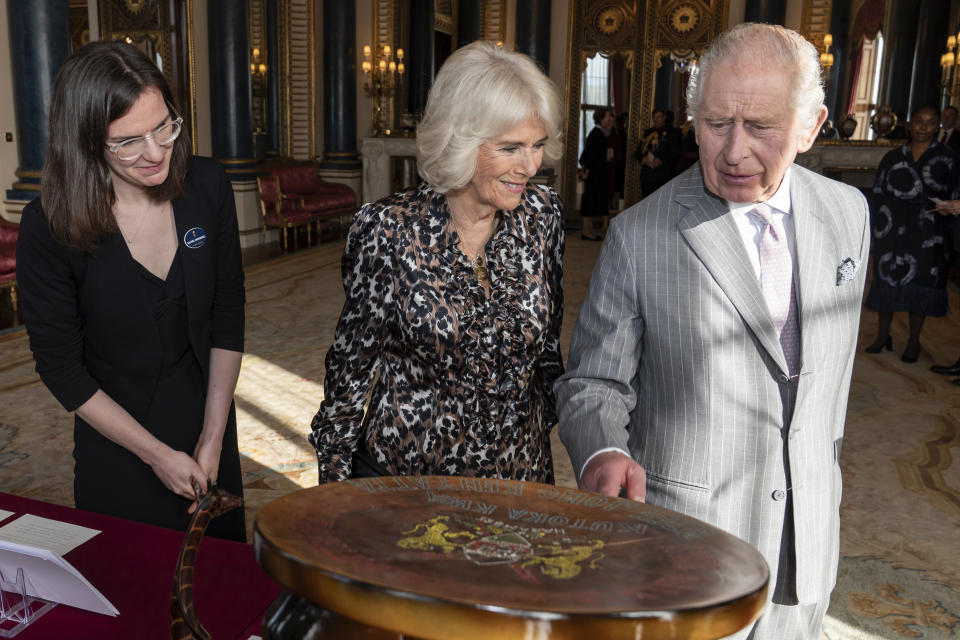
x=8, y=261
x=325, y=199
x=279, y=212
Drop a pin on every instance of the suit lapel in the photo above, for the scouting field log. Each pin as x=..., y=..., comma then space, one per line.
x=189, y=258
x=813, y=269
x=713, y=235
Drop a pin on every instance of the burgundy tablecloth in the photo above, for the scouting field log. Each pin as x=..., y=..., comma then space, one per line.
x=132, y=565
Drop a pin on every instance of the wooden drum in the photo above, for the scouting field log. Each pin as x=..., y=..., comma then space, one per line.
x=444, y=558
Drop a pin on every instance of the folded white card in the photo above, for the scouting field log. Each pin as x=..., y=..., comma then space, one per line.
x=26, y=544
x=53, y=535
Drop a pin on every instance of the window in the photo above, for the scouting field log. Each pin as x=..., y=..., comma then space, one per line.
x=595, y=93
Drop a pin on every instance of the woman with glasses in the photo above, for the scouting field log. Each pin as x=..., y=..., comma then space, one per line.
x=132, y=292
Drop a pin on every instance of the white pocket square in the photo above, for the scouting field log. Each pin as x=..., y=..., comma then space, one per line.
x=846, y=270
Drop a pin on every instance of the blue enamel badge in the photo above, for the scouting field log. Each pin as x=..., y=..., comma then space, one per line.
x=195, y=238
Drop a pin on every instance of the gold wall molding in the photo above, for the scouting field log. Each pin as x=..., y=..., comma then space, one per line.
x=386, y=21
x=443, y=22
x=283, y=78
x=495, y=20
x=192, y=67
x=79, y=23
x=298, y=79
x=258, y=82
x=816, y=21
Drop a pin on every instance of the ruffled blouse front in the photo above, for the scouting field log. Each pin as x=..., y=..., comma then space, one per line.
x=461, y=380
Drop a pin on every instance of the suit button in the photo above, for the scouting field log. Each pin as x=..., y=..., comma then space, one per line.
x=779, y=494
x=783, y=378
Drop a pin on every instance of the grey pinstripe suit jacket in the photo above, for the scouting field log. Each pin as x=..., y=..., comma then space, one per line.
x=675, y=359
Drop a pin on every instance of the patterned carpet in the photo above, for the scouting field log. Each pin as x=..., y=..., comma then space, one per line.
x=900, y=564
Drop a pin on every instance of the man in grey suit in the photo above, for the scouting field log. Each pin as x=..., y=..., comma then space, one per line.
x=711, y=360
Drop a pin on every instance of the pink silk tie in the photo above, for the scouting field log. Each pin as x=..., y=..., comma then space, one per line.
x=776, y=281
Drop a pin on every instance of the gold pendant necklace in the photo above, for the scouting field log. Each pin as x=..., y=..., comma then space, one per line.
x=478, y=264
x=480, y=269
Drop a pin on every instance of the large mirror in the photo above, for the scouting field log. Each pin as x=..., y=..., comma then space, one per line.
x=600, y=73
x=630, y=56
x=605, y=85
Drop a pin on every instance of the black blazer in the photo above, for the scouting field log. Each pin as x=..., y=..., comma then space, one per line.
x=953, y=142
x=88, y=324
x=595, y=200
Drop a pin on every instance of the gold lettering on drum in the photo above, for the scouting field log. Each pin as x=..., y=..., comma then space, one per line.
x=391, y=484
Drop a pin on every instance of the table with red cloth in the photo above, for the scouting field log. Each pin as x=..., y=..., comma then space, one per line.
x=132, y=565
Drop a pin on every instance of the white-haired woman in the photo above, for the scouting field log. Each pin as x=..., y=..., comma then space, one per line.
x=451, y=323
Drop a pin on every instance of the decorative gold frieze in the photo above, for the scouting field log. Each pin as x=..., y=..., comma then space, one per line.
x=688, y=24
x=298, y=78
x=494, y=20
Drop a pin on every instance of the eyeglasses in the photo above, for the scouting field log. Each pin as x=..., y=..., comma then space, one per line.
x=132, y=148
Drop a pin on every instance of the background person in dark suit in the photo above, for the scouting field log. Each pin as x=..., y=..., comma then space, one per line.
x=949, y=135
x=658, y=153
x=132, y=291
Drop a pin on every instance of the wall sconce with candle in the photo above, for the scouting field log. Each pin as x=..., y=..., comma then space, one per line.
x=258, y=89
x=382, y=75
x=256, y=66
x=948, y=65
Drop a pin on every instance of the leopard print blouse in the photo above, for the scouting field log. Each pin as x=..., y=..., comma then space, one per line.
x=462, y=383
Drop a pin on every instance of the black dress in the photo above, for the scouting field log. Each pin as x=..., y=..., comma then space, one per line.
x=109, y=478
x=910, y=240
x=595, y=201
x=97, y=321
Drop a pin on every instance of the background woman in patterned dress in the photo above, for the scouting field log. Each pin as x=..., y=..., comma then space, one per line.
x=449, y=335
x=909, y=235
